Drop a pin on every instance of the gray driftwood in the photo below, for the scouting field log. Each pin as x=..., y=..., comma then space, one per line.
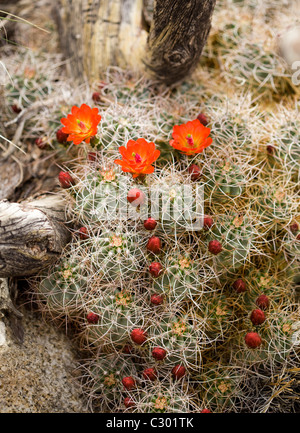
x=96, y=34
x=32, y=235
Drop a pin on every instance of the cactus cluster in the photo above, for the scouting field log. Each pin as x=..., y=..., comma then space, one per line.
x=180, y=284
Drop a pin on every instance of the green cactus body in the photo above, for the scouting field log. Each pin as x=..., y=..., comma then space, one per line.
x=105, y=379
x=179, y=338
x=63, y=290
x=224, y=182
x=176, y=204
x=118, y=314
x=116, y=256
x=180, y=278
x=219, y=388
x=217, y=315
x=101, y=197
x=236, y=234
x=233, y=131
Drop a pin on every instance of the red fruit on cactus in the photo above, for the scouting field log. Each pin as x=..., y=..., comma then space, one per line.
x=96, y=96
x=195, y=172
x=253, y=340
x=203, y=119
x=127, y=349
x=239, y=286
x=157, y=299
x=215, y=247
x=149, y=374
x=128, y=382
x=155, y=269
x=138, y=335
x=159, y=353
x=92, y=156
x=83, y=233
x=128, y=402
x=270, y=149
x=41, y=143
x=135, y=197
x=294, y=228
x=178, y=371
x=150, y=224
x=154, y=245
x=298, y=237
x=257, y=317
x=205, y=411
x=61, y=136
x=263, y=302
x=207, y=222
x=65, y=179
x=16, y=108
x=92, y=318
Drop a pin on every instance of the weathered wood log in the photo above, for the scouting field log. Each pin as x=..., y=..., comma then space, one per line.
x=96, y=34
x=178, y=33
x=32, y=235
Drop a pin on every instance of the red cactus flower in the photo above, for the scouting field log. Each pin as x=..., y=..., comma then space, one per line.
x=257, y=317
x=65, y=179
x=154, y=245
x=150, y=224
x=263, y=302
x=61, y=136
x=215, y=247
x=82, y=124
x=83, y=233
x=253, y=340
x=92, y=318
x=155, y=269
x=135, y=197
x=191, y=137
x=195, y=171
x=149, y=374
x=138, y=335
x=240, y=286
x=128, y=382
x=207, y=222
x=178, y=371
x=157, y=299
x=128, y=402
x=159, y=353
x=203, y=119
x=138, y=157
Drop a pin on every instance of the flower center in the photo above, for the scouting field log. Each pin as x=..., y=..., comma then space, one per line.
x=137, y=157
x=190, y=140
x=81, y=125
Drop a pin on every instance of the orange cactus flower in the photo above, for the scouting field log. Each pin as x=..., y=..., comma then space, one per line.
x=81, y=124
x=191, y=137
x=138, y=157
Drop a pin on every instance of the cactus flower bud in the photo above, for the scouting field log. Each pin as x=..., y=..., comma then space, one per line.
x=128, y=382
x=214, y=247
x=83, y=233
x=253, y=340
x=92, y=318
x=61, y=136
x=178, y=371
x=159, y=353
x=239, y=286
x=149, y=374
x=263, y=302
x=150, y=224
x=65, y=179
x=257, y=317
x=195, y=172
x=139, y=336
x=155, y=269
x=157, y=299
x=203, y=119
x=154, y=245
x=207, y=222
x=128, y=402
x=135, y=197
